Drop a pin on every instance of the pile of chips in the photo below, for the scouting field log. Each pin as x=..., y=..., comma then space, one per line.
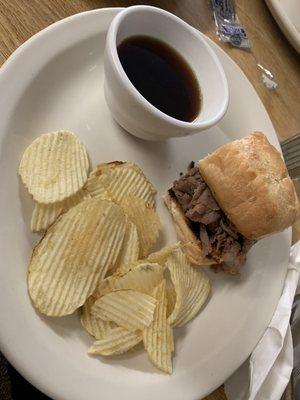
x=144, y=304
x=95, y=257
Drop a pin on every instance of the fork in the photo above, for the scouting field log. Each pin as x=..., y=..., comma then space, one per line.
x=291, y=154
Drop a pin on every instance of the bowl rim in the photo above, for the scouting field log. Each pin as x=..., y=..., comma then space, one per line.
x=112, y=54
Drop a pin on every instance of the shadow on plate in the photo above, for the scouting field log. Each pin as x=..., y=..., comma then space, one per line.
x=63, y=326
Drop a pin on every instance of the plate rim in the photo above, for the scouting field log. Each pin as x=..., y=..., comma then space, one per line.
x=284, y=22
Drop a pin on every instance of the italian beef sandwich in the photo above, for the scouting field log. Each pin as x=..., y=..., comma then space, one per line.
x=230, y=199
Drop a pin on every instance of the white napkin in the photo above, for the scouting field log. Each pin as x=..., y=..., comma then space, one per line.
x=265, y=375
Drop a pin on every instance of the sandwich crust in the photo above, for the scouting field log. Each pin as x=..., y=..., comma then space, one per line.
x=190, y=244
x=250, y=182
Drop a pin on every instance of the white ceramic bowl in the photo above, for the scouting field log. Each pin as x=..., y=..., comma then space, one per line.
x=129, y=108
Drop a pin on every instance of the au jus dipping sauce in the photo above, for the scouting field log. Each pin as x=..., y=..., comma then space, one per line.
x=162, y=76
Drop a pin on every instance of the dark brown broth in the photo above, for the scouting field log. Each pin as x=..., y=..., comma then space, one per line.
x=162, y=76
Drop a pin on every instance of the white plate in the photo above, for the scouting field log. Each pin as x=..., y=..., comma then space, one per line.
x=55, y=81
x=287, y=15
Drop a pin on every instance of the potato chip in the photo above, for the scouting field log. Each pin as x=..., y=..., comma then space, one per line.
x=117, y=342
x=54, y=167
x=142, y=278
x=129, y=309
x=171, y=300
x=145, y=219
x=191, y=285
x=162, y=255
x=44, y=215
x=124, y=268
x=94, y=326
x=170, y=338
x=74, y=255
x=131, y=246
x=96, y=189
x=158, y=257
x=121, y=178
x=158, y=336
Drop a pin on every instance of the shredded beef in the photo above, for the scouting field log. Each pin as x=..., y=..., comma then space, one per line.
x=218, y=236
x=229, y=228
x=206, y=244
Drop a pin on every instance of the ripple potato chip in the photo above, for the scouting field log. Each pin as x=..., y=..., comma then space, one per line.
x=74, y=255
x=129, y=309
x=158, y=257
x=145, y=219
x=96, y=188
x=117, y=342
x=158, y=336
x=44, y=215
x=143, y=278
x=171, y=300
x=163, y=254
x=131, y=246
x=191, y=285
x=94, y=326
x=121, y=178
x=54, y=167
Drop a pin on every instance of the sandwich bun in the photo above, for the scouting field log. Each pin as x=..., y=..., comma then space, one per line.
x=249, y=180
x=190, y=244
